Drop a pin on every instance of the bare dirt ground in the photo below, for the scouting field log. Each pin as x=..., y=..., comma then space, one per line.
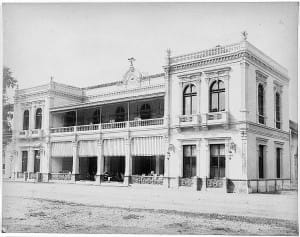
x=67, y=208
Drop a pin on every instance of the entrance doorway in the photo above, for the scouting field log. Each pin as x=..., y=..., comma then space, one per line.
x=87, y=168
x=114, y=168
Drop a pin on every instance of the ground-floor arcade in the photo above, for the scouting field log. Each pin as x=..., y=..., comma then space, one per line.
x=227, y=161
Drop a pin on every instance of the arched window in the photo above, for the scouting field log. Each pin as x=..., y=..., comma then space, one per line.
x=189, y=100
x=261, y=98
x=96, y=116
x=217, y=96
x=145, y=111
x=120, y=114
x=26, y=120
x=277, y=110
x=38, y=118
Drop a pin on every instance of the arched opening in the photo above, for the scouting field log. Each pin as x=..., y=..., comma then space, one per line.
x=189, y=100
x=38, y=118
x=217, y=96
x=26, y=120
x=145, y=111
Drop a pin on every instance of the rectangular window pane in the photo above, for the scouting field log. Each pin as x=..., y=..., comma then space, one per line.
x=186, y=151
x=261, y=162
x=193, y=148
x=278, y=160
x=214, y=102
x=187, y=102
x=186, y=167
x=194, y=104
x=222, y=101
x=222, y=150
x=214, y=150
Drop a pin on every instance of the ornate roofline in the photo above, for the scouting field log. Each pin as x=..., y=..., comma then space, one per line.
x=228, y=53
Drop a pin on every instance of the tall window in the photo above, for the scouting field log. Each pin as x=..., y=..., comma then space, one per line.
x=217, y=96
x=24, y=161
x=38, y=118
x=120, y=114
x=217, y=161
x=189, y=161
x=36, y=161
x=26, y=120
x=96, y=116
x=261, y=98
x=277, y=110
x=189, y=100
x=278, y=162
x=261, y=174
x=145, y=111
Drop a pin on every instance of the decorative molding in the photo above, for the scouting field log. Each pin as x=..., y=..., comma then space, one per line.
x=228, y=57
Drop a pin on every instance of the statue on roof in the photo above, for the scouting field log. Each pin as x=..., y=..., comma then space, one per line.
x=244, y=35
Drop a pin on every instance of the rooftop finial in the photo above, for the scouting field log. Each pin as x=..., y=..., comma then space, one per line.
x=244, y=35
x=131, y=60
x=51, y=79
x=168, y=53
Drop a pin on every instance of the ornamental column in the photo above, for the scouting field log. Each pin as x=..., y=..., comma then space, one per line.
x=128, y=162
x=99, y=160
x=32, y=118
x=75, y=170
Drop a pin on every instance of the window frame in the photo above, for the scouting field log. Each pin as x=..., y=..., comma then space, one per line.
x=189, y=94
x=277, y=110
x=26, y=120
x=261, y=103
x=38, y=118
x=217, y=92
x=192, y=159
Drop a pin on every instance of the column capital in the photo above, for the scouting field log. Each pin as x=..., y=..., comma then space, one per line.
x=244, y=64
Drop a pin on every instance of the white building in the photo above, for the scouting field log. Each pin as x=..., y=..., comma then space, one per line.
x=218, y=118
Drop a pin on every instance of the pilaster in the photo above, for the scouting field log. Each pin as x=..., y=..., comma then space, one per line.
x=244, y=90
x=75, y=170
x=128, y=162
x=99, y=160
x=30, y=165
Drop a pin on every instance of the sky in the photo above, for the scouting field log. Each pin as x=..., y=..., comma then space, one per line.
x=87, y=44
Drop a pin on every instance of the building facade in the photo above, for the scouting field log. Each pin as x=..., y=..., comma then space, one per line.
x=216, y=119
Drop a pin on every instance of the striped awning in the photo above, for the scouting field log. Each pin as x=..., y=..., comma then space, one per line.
x=61, y=149
x=87, y=148
x=147, y=146
x=114, y=147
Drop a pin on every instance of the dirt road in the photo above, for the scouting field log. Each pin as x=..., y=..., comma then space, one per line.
x=70, y=208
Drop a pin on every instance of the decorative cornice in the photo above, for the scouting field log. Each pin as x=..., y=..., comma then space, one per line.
x=225, y=58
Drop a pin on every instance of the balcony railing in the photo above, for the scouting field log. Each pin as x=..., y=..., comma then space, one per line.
x=60, y=176
x=112, y=125
x=146, y=122
x=189, y=120
x=62, y=129
x=84, y=128
x=215, y=118
x=30, y=133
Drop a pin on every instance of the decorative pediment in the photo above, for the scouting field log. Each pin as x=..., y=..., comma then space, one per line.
x=261, y=77
x=132, y=76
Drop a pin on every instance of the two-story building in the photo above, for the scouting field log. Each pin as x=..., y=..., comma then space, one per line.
x=214, y=119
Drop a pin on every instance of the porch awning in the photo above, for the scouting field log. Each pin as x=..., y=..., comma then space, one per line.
x=61, y=149
x=147, y=146
x=114, y=147
x=87, y=148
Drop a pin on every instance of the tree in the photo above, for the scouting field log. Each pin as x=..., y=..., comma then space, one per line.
x=8, y=82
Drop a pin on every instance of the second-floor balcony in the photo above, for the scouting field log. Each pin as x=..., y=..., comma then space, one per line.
x=33, y=133
x=157, y=122
x=215, y=118
x=189, y=120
